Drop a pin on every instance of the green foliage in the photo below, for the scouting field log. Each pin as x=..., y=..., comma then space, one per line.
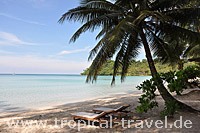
x=192, y=72
x=178, y=81
x=175, y=80
x=107, y=69
x=147, y=100
x=136, y=68
x=170, y=109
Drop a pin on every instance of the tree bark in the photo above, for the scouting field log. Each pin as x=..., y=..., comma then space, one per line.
x=180, y=64
x=160, y=86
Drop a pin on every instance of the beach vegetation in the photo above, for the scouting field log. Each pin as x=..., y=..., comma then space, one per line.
x=147, y=100
x=170, y=109
x=176, y=81
x=137, y=68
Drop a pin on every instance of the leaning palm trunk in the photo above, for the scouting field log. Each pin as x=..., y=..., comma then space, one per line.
x=160, y=86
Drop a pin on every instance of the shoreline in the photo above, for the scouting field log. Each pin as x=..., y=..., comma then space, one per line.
x=135, y=93
x=63, y=112
x=56, y=105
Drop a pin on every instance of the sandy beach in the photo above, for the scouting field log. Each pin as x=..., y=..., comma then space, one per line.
x=63, y=113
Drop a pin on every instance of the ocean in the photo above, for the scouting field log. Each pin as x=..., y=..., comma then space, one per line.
x=35, y=91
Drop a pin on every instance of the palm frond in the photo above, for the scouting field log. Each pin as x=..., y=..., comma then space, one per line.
x=150, y=15
x=129, y=50
x=104, y=54
x=115, y=34
x=119, y=57
x=162, y=5
x=184, y=16
x=108, y=45
x=91, y=25
x=89, y=11
x=83, y=2
x=83, y=14
x=131, y=53
x=159, y=48
x=178, y=33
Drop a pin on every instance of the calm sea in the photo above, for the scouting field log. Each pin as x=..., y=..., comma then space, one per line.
x=20, y=92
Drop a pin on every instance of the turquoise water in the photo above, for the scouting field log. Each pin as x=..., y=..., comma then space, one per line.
x=39, y=91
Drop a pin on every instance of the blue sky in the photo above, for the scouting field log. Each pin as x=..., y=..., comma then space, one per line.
x=32, y=40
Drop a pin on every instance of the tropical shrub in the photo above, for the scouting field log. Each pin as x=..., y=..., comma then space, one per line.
x=182, y=79
x=170, y=109
x=147, y=100
x=176, y=82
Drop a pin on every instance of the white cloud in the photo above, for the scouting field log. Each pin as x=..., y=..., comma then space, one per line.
x=34, y=64
x=20, y=19
x=65, y=52
x=11, y=39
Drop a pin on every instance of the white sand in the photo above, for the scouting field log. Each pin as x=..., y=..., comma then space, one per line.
x=63, y=112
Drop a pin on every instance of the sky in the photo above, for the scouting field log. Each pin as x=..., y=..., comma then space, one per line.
x=32, y=40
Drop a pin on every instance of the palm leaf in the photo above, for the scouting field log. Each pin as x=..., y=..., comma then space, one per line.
x=171, y=4
x=108, y=46
x=91, y=25
x=178, y=33
x=185, y=16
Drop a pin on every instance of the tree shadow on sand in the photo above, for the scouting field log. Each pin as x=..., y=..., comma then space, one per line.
x=8, y=109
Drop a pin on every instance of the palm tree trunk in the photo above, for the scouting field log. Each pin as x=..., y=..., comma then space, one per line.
x=180, y=64
x=161, y=88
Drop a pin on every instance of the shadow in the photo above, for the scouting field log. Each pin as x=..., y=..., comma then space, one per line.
x=7, y=109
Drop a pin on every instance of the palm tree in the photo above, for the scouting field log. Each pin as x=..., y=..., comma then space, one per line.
x=179, y=53
x=127, y=25
x=175, y=54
